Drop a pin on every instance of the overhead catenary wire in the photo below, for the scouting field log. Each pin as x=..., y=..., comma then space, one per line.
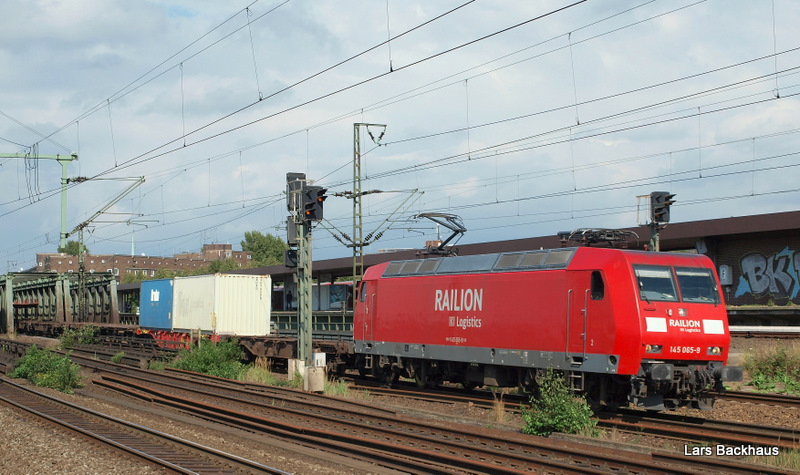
x=472, y=125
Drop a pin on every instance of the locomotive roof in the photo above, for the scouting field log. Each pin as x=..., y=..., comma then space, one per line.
x=483, y=263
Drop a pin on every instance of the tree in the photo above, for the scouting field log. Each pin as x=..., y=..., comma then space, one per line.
x=223, y=266
x=266, y=249
x=73, y=248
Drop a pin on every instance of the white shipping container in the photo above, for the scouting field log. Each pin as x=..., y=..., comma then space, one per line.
x=227, y=304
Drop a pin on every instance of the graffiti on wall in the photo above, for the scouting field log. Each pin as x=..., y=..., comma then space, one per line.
x=777, y=275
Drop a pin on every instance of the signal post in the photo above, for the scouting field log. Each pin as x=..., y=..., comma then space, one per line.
x=305, y=205
x=660, y=201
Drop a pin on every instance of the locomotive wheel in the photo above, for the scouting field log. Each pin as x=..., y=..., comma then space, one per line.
x=388, y=377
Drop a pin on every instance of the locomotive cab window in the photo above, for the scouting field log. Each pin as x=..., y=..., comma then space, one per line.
x=362, y=292
x=598, y=286
x=655, y=283
x=697, y=285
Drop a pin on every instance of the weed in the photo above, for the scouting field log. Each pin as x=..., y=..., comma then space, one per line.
x=498, y=413
x=557, y=410
x=259, y=374
x=85, y=335
x=296, y=381
x=49, y=370
x=221, y=359
x=118, y=357
x=771, y=366
x=786, y=459
x=157, y=365
x=338, y=388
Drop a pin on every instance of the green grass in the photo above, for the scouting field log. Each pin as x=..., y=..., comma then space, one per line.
x=775, y=368
x=786, y=459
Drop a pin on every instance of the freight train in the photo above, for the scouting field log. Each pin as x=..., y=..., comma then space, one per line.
x=623, y=326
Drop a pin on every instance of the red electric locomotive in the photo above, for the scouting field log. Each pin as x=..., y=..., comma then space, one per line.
x=624, y=326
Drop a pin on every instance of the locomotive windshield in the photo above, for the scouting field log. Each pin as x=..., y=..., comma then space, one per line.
x=657, y=284
x=697, y=285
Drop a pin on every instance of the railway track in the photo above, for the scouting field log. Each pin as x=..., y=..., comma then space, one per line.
x=762, y=398
x=161, y=450
x=419, y=445
x=695, y=429
x=483, y=399
x=380, y=436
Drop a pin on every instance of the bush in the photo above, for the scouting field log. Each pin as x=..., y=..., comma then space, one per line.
x=557, y=409
x=48, y=370
x=84, y=335
x=118, y=357
x=774, y=365
x=221, y=359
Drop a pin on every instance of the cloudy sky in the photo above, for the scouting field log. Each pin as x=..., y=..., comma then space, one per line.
x=523, y=118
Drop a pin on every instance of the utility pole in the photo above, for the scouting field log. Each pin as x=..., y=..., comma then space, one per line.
x=358, y=228
x=82, y=314
x=64, y=160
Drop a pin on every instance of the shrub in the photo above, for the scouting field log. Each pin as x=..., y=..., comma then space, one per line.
x=49, y=370
x=221, y=359
x=769, y=366
x=68, y=338
x=84, y=335
x=557, y=409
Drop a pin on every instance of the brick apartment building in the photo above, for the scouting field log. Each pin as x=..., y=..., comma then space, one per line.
x=120, y=265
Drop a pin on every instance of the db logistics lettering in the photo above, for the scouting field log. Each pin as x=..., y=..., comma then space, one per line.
x=464, y=323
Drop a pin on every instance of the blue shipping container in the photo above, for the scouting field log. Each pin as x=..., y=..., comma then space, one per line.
x=155, y=309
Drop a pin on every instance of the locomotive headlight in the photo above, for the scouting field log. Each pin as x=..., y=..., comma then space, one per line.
x=652, y=348
x=714, y=350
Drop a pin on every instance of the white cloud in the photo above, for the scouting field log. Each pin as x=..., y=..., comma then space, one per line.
x=68, y=59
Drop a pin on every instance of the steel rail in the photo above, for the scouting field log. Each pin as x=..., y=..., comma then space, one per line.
x=154, y=447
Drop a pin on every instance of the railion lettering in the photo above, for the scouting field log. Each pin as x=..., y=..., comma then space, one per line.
x=457, y=300
x=684, y=323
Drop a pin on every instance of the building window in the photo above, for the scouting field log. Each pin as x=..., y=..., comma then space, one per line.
x=116, y=271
